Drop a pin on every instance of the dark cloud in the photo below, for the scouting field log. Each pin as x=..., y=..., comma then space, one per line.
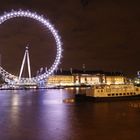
x=84, y=2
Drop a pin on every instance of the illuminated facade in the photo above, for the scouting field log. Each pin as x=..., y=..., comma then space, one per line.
x=88, y=79
x=61, y=80
x=115, y=80
x=79, y=78
x=136, y=80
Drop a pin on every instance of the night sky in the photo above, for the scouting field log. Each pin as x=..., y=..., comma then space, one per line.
x=102, y=34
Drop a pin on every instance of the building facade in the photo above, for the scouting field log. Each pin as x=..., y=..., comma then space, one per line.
x=79, y=78
x=61, y=80
x=114, y=79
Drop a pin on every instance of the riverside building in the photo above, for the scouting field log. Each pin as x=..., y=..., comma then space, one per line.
x=136, y=80
x=85, y=78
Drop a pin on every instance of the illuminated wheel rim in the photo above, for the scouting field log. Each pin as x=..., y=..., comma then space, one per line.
x=11, y=79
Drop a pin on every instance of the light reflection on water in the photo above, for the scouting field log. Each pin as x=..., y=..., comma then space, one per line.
x=43, y=115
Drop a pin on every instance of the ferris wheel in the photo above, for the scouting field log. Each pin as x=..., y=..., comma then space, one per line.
x=15, y=80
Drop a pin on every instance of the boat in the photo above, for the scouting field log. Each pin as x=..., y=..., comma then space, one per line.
x=110, y=93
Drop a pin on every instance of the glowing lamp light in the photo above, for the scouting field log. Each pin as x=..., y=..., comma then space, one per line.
x=48, y=25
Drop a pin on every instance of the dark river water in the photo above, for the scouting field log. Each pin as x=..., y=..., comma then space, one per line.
x=44, y=115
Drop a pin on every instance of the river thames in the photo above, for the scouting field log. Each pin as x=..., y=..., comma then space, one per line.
x=44, y=115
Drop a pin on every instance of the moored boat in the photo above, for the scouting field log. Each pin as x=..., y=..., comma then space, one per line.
x=110, y=93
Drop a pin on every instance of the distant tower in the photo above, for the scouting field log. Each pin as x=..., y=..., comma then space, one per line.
x=84, y=67
x=0, y=60
x=61, y=70
x=46, y=69
x=71, y=70
x=41, y=70
x=138, y=74
x=26, y=56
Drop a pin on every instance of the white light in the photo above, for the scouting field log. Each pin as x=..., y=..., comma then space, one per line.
x=47, y=24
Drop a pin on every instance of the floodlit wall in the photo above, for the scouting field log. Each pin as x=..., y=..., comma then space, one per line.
x=63, y=80
x=84, y=79
x=89, y=79
x=115, y=80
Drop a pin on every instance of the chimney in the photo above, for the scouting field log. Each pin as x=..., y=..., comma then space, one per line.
x=84, y=67
x=71, y=70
